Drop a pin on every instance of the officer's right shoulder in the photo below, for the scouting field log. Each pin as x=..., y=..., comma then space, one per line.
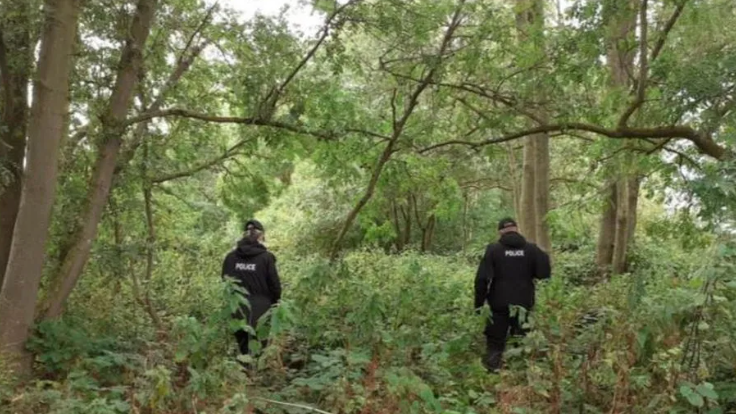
x=493, y=247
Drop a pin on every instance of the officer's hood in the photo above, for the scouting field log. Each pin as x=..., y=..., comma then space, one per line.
x=248, y=248
x=513, y=240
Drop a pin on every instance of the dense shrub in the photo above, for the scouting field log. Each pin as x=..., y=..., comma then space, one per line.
x=379, y=333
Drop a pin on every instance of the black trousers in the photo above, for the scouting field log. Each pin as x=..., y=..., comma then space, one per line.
x=243, y=339
x=499, y=327
x=259, y=305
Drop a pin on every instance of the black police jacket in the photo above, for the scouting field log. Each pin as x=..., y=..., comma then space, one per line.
x=507, y=272
x=254, y=268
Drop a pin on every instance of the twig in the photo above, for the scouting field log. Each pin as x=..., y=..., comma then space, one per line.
x=285, y=404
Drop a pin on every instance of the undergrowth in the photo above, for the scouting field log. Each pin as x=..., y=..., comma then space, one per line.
x=377, y=333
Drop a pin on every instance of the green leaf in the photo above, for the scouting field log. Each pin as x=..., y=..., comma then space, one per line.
x=706, y=390
x=692, y=397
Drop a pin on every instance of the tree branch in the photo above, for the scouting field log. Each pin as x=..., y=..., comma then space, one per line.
x=229, y=153
x=183, y=63
x=705, y=143
x=667, y=29
x=398, y=129
x=183, y=113
x=477, y=90
x=644, y=60
x=663, y=146
x=641, y=90
x=274, y=94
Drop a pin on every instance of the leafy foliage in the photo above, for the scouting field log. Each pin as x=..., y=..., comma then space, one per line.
x=377, y=112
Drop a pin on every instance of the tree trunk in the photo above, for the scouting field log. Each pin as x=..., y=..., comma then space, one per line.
x=613, y=240
x=534, y=203
x=407, y=226
x=150, y=244
x=516, y=182
x=633, y=205
x=428, y=233
x=632, y=200
x=621, y=236
x=541, y=188
x=528, y=205
x=399, y=240
x=111, y=140
x=16, y=61
x=606, y=234
x=465, y=219
x=367, y=195
x=45, y=131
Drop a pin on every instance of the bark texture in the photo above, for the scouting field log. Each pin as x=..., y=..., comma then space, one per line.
x=46, y=129
x=618, y=219
x=607, y=230
x=533, y=205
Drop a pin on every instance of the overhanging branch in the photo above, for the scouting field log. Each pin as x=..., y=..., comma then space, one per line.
x=183, y=113
x=229, y=153
x=705, y=143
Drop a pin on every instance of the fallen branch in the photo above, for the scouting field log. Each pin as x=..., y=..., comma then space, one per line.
x=285, y=404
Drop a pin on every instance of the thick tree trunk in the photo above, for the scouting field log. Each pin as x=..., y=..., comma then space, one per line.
x=45, y=132
x=618, y=219
x=111, y=140
x=534, y=203
x=607, y=231
x=16, y=61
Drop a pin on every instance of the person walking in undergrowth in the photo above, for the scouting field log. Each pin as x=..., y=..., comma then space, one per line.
x=254, y=268
x=505, y=279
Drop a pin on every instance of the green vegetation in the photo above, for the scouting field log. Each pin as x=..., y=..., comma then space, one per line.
x=379, y=152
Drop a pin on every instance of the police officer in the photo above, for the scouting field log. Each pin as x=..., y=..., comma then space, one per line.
x=254, y=268
x=505, y=279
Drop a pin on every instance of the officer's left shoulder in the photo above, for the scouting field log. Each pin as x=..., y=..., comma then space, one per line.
x=230, y=255
x=271, y=256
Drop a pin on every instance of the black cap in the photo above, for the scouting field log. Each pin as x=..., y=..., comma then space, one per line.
x=254, y=224
x=506, y=223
